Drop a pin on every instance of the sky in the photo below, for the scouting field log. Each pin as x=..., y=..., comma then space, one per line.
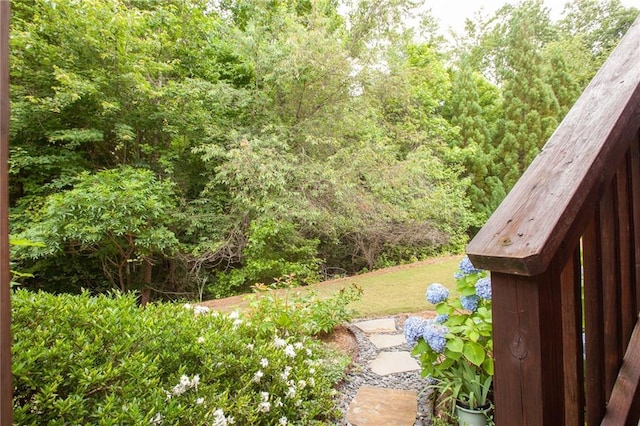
x=452, y=13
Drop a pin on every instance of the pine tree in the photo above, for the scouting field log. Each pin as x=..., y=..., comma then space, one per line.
x=474, y=144
x=531, y=108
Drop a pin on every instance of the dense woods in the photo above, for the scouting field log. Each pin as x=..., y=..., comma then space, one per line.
x=196, y=147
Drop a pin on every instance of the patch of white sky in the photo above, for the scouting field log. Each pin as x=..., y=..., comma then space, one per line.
x=451, y=14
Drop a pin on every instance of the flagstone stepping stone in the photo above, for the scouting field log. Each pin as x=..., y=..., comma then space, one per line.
x=384, y=341
x=393, y=362
x=381, y=325
x=374, y=406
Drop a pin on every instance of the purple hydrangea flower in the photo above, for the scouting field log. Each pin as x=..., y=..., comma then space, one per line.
x=483, y=288
x=434, y=335
x=441, y=319
x=470, y=303
x=414, y=329
x=437, y=293
x=467, y=267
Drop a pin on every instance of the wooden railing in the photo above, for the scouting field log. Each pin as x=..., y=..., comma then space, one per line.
x=564, y=254
x=6, y=380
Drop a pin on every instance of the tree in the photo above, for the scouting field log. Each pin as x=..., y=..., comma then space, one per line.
x=598, y=24
x=473, y=146
x=119, y=217
x=531, y=108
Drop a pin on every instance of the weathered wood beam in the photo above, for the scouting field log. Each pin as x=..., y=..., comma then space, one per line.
x=6, y=382
x=624, y=405
x=529, y=384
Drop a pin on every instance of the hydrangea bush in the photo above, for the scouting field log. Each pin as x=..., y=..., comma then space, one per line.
x=105, y=360
x=456, y=347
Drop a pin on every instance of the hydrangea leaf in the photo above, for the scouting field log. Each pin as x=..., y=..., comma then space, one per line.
x=474, y=353
x=455, y=344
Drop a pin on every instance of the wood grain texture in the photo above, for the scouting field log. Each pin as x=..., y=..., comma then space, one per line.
x=610, y=297
x=594, y=323
x=571, y=280
x=624, y=405
x=6, y=382
x=547, y=207
x=529, y=383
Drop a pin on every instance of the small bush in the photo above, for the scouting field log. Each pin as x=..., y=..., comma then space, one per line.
x=304, y=314
x=103, y=361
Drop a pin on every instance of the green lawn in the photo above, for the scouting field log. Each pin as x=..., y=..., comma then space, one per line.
x=396, y=290
x=399, y=289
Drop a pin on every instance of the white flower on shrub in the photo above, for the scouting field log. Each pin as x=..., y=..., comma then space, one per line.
x=291, y=392
x=234, y=315
x=200, y=310
x=257, y=376
x=290, y=351
x=279, y=343
x=265, y=405
x=200, y=401
x=185, y=384
x=200, y=339
x=283, y=421
x=218, y=418
x=264, y=362
x=158, y=419
x=285, y=373
x=298, y=345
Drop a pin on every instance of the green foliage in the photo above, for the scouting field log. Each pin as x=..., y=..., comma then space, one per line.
x=305, y=314
x=104, y=360
x=456, y=349
x=531, y=107
x=295, y=138
x=118, y=216
x=274, y=250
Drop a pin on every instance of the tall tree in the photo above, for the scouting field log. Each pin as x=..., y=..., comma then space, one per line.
x=598, y=24
x=474, y=142
x=531, y=108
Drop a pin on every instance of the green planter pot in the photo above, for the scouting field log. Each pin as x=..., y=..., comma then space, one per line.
x=472, y=417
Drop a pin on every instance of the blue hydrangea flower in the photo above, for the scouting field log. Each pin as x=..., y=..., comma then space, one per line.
x=483, y=288
x=414, y=329
x=467, y=267
x=441, y=319
x=437, y=293
x=470, y=303
x=434, y=335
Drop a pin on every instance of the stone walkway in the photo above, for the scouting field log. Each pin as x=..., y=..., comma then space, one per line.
x=387, y=379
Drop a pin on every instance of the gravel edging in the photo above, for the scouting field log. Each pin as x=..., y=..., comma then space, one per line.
x=360, y=374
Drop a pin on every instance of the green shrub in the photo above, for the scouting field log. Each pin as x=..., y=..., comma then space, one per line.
x=304, y=314
x=104, y=361
x=274, y=250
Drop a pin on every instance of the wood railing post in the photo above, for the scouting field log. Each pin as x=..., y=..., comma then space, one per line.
x=6, y=381
x=528, y=350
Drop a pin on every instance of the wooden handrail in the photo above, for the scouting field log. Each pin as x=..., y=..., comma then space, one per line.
x=564, y=254
x=548, y=204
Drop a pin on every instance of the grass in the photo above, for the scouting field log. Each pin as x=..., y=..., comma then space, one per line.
x=400, y=289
